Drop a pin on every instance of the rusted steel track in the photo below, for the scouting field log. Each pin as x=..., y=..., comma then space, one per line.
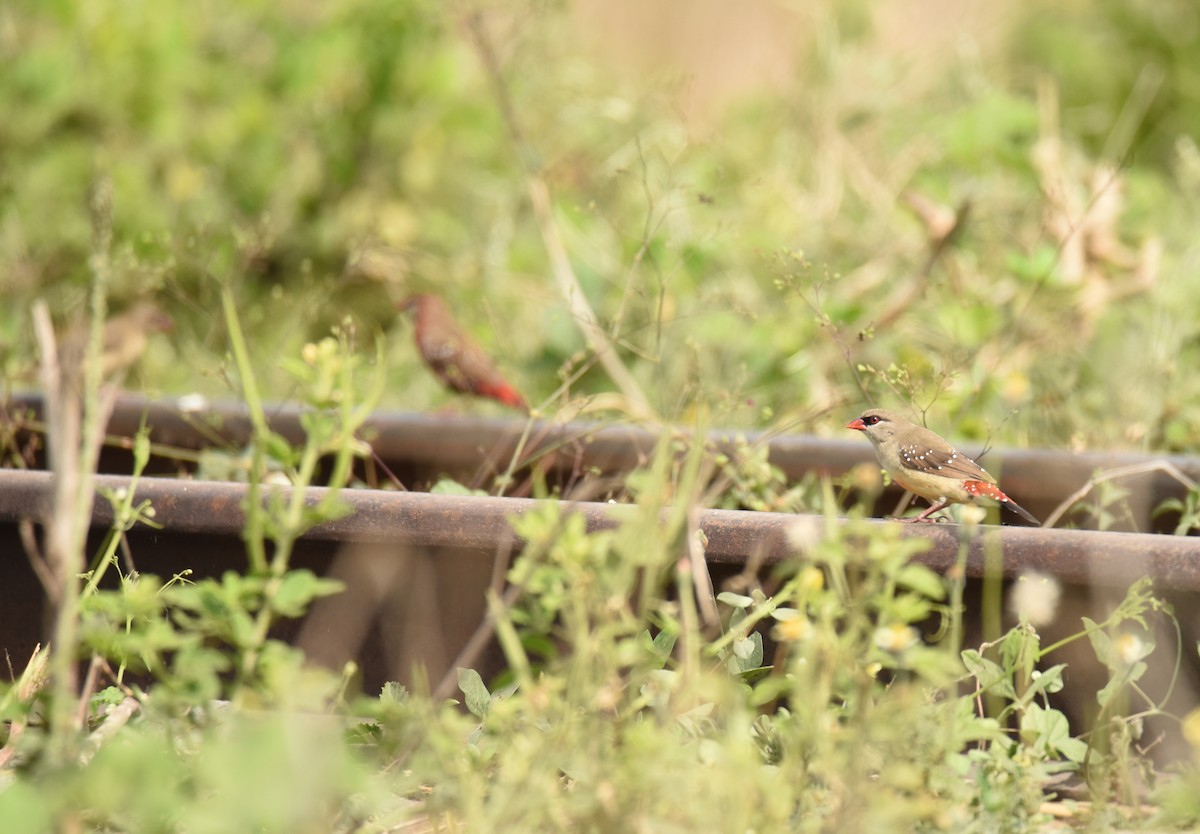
x=466, y=447
x=481, y=524
x=416, y=566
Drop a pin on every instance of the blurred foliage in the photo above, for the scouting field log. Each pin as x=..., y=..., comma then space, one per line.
x=325, y=160
x=644, y=718
x=1127, y=71
x=1006, y=245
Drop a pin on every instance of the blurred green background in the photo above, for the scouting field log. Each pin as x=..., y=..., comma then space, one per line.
x=754, y=197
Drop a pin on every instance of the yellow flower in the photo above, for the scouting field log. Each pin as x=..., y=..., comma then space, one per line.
x=867, y=478
x=1016, y=388
x=793, y=630
x=812, y=579
x=1191, y=727
x=1130, y=648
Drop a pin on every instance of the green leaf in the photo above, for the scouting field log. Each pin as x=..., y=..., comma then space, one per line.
x=664, y=642
x=661, y=645
x=1050, y=733
x=141, y=449
x=478, y=699
x=754, y=675
x=1101, y=644
x=393, y=693
x=1047, y=680
x=743, y=648
x=987, y=673
x=539, y=645
x=196, y=672
x=446, y=486
x=934, y=664
x=1119, y=681
x=1167, y=505
x=300, y=587
x=907, y=608
x=734, y=600
x=364, y=733
x=1019, y=648
x=278, y=449
x=108, y=697
x=747, y=653
x=922, y=580
x=506, y=691
x=242, y=632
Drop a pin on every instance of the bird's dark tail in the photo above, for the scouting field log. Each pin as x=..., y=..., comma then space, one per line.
x=988, y=490
x=1021, y=511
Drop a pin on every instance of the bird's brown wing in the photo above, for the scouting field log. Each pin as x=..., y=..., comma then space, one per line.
x=479, y=370
x=454, y=357
x=947, y=462
x=444, y=356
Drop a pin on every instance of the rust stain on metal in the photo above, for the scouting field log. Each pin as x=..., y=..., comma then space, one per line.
x=482, y=524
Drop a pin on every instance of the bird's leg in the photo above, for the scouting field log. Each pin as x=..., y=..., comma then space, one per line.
x=925, y=516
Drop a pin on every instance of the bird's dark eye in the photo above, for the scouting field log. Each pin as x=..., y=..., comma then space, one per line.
x=872, y=420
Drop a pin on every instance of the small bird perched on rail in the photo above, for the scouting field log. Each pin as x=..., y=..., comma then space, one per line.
x=123, y=341
x=453, y=356
x=928, y=466
x=127, y=335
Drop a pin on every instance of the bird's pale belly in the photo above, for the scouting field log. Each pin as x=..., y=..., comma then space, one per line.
x=933, y=487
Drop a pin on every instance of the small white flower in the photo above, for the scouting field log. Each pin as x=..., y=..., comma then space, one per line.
x=804, y=534
x=192, y=402
x=1130, y=648
x=896, y=637
x=1034, y=598
x=973, y=514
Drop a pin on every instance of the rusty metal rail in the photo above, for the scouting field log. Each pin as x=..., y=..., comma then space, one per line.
x=416, y=565
x=481, y=524
x=466, y=447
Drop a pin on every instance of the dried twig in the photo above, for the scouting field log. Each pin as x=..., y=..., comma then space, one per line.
x=1113, y=474
x=556, y=251
x=33, y=678
x=37, y=560
x=77, y=411
x=940, y=239
x=702, y=583
x=116, y=718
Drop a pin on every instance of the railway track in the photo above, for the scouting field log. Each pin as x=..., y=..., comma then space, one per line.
x=481, y=525
x=416, y=564
x=474, y=451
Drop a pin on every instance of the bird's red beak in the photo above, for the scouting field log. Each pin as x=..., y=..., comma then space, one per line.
x=857, y=424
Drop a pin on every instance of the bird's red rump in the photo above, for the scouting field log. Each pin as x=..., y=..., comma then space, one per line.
x=503, y=392
x=985, y=489
x=453, y=356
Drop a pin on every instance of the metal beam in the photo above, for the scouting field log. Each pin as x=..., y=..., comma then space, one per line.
x=481, y=524
x=458, y=444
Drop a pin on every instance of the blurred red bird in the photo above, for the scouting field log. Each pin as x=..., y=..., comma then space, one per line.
x=453, y=356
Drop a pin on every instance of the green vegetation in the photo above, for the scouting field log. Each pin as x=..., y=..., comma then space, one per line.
x=1001, y=236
